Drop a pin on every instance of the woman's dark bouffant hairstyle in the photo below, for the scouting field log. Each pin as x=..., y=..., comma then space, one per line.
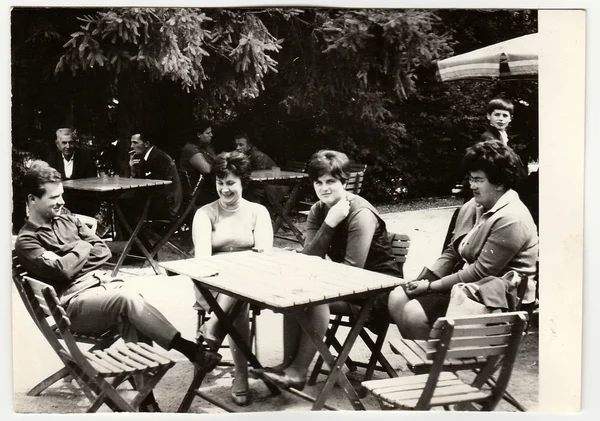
x=202, y=125
x=329, y=162
x=235, y=163
x=499, y=162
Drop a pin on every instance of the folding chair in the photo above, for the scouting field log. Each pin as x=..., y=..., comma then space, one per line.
x=412, y=352
x=183, y=219
x=493, y=339
x=296, y=166
x=400, y=245
x=101, y=341
x=92, y=369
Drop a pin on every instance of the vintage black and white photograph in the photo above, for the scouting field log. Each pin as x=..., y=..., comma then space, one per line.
x=276, y=209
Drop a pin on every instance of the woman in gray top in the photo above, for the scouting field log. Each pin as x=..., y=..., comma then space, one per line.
x=494, y=234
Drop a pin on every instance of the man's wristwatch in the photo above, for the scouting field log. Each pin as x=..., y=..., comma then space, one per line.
x=429, y=290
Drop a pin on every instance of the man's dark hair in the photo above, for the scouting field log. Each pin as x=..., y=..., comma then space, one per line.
x=499, y=162
x=500, y=104
x=235, y=163
x=243, y=135
x=142, y=136
x=37, y=175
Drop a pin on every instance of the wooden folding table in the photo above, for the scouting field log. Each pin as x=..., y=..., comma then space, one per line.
x=110, y=188
x=289, y=283
x=276, y=176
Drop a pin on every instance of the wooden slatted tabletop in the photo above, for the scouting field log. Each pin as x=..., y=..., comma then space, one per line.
x=281, y=279
x=109, y=184
x=276, y=175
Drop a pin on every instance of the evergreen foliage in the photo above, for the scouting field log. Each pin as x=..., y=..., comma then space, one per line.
x=297, y=80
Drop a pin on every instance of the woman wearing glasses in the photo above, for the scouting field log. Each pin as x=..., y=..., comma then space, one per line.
x=494, y=234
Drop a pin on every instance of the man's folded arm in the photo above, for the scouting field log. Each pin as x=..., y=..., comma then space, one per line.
x=61, y=266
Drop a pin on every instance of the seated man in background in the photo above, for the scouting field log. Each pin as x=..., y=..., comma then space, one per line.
x=56, y=247
x=267, y=194
x=147, y=161
x=73, y=162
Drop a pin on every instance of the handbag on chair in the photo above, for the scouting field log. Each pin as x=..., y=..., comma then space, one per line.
x=466, y=299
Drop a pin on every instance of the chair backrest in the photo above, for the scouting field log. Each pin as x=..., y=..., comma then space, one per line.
x=496, y=337
x=19, y=275
x=44, y=302
x=357, y=176
x=450, y=229
x=400, y=244
x=18, y=272
x=295, y=166
x=191, y=189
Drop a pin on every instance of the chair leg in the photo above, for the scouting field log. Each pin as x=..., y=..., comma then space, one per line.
x=99, y=386
x=508, y=397
x=102, y=396
x=186, y=402
x=376, y=355
x=253, y=337
x=329, y=338
x=49, y=381
x=150, y=382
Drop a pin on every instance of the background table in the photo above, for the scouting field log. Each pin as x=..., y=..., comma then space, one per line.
x=288, y=283
x=111, y=188
x=283, y=177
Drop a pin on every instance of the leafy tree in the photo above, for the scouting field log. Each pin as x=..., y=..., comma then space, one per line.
x=296, y=79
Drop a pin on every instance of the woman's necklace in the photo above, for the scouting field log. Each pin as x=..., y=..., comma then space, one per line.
x=229, y=209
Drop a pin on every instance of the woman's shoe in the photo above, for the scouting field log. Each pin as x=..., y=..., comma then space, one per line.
x=258, y=373
x=240, y=397
x=283, y=381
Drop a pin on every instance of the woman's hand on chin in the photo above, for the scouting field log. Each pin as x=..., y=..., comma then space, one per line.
x=338, y=212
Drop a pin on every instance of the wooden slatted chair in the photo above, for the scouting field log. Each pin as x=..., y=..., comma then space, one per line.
x=169, y=228
x=357, y=176
x=92, y=369
x=413, y=353
x=101, y=341
x=377, y=361
x=492, y=338
x=295, y=166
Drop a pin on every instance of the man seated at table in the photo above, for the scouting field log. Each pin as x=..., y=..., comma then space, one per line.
x=56, y=247
x=269, y=195
x=74, y=162
x=147, y=161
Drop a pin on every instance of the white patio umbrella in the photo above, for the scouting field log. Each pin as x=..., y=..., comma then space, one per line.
x=515, y=58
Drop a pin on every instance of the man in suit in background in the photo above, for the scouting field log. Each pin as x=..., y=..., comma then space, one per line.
x=147, y=161
x=73, y=162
